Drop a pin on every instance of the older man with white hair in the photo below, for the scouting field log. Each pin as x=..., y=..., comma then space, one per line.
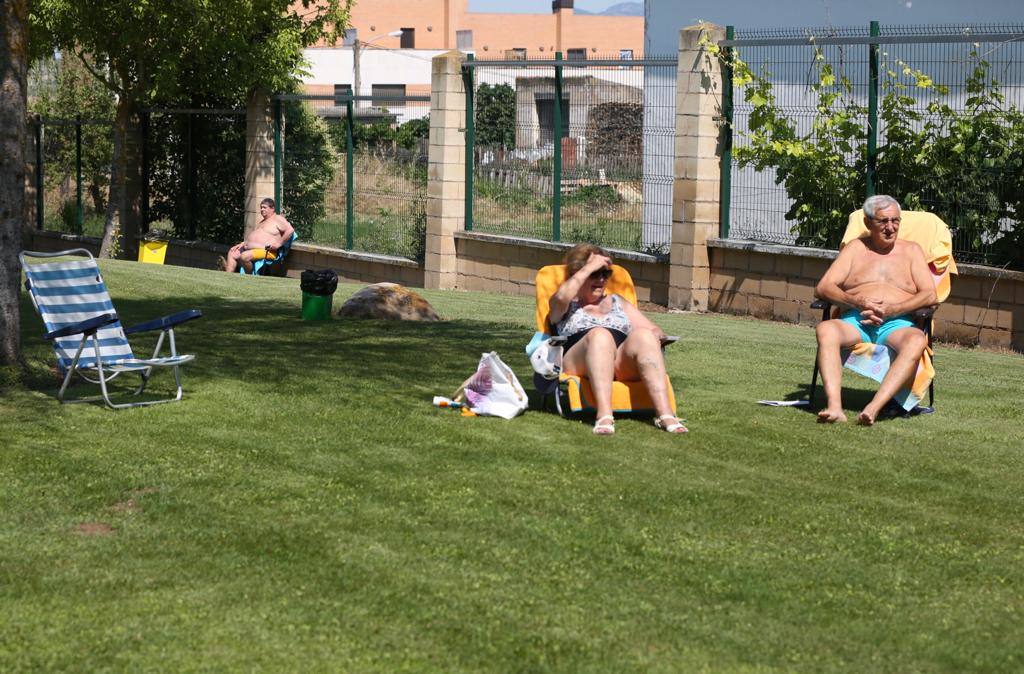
x=878, y=281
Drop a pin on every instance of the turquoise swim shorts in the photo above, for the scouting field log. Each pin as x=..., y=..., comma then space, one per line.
x=876, y=334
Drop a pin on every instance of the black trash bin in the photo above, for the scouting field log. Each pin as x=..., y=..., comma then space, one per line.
x=317, y=293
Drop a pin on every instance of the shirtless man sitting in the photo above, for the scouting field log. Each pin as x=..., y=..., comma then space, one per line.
x=878, y=280
x=262, y=242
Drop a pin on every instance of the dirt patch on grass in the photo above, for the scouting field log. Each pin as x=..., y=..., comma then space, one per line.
x=93, y=529
x=142, y=491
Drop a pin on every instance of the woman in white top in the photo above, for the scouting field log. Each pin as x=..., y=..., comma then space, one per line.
x=608, y=338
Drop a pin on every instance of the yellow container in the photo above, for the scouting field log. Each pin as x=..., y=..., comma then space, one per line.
x=152, y=252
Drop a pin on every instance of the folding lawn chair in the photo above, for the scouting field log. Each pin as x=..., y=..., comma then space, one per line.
x=572, y=393
x=270, y=261
x=872, y=360
x=81, y=321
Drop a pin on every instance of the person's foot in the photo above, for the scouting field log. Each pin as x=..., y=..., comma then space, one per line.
x=605, y=425
x=866, y=418
x=831, y=416
x=670, y=423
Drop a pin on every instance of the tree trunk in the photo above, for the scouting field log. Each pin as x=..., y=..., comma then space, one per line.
x=14, y=74
x=123, y=209
x=111, y=245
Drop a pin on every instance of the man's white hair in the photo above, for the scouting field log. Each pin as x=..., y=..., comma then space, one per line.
x=879, y=202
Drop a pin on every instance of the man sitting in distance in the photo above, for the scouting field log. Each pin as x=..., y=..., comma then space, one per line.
x=263, y=242
x=877, y=280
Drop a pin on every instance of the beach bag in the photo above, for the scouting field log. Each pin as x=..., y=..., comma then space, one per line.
x=494, y=389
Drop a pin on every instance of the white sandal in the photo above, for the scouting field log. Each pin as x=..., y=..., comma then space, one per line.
x=605, y=429
x=675, y=427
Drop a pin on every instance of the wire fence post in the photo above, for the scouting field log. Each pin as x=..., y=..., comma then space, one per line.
x=872, y=158
x=349, y=172
x=725, y=180
x=39, y=172
x=556, y=169
x=277, y=156
x=144, y=121
x=467, y=79
x=190, y=177
x=79, y=214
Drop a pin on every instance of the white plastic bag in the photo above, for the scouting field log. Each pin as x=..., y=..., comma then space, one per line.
x=494, y=390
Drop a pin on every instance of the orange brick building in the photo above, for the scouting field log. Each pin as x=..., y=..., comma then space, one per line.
x=448, y=24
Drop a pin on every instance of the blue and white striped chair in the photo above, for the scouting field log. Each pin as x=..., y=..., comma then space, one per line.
x=87, y=336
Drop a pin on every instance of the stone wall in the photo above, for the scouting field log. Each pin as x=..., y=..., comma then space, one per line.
x=507, y=265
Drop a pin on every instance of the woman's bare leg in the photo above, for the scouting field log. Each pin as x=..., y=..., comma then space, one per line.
x=593, y=357
x=640, y=358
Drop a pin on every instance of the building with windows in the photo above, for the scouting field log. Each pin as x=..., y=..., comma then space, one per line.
x=390, y=42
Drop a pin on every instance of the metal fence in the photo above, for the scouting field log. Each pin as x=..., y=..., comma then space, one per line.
x=596, y=167
x=70, y=164
x=902, y=80
x=194, y=173
x=366, y=188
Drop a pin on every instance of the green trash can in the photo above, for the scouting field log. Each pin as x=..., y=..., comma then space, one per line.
x=316, y=307
x=317, y=293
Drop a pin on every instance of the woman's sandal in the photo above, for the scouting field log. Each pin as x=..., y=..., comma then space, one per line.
x=605, y=428
x=674, y=427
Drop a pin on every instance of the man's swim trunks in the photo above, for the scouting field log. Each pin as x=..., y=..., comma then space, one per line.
x=263, y=254
x=876, y=334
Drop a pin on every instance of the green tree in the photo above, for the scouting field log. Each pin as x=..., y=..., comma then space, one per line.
x=495, y=115
x=151, y=53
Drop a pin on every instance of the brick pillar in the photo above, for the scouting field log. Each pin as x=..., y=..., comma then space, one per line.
x=259, y=156
x=446, y=172
x=695, y=198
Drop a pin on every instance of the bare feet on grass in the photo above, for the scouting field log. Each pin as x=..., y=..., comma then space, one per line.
x=830, y=416
x=866, y=418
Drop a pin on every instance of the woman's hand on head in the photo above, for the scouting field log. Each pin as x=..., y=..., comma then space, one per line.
x=597, y=262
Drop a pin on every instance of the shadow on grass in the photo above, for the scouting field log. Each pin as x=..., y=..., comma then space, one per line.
x=853, y=399
x=265, y=345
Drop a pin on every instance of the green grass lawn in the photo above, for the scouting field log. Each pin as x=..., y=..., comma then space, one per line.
x=307, y=509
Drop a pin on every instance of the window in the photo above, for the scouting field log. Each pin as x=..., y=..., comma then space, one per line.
x=389, y=90
x=464, y=39
x=341, y=93
x=546, y=117
x=517, y=54
x=408, y=38
x=578, y=54
x=351, y=35
x=626, y=54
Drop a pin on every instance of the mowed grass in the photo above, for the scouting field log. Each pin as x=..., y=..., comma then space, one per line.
x=307, y=509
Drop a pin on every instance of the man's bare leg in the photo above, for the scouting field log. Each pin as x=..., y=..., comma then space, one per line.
x=909, y=344
x=832, y=336
x=231, y=261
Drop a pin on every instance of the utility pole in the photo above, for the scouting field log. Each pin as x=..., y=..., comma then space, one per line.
x=355, y=69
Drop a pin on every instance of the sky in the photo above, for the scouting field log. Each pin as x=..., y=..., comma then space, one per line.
x=766, y=13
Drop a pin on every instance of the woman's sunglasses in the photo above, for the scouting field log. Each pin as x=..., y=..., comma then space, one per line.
x=603, y=274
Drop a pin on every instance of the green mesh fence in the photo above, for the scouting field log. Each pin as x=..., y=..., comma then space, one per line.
x=963, y=86
x=595, y=167
x=374, y=196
